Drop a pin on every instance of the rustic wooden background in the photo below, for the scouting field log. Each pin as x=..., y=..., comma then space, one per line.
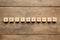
x=29, y=8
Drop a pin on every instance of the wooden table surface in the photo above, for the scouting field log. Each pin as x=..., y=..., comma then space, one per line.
x=29, y=8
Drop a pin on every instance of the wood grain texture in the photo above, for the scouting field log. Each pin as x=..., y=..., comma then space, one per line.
x=30, y=37
x=29, y=2
x=29, y=28
x=29, y=8
x=0, y=37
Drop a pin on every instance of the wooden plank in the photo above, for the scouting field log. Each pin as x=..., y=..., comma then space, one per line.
x=29, y=2
x=31, y=37
x=0, y=37
x=29, y=28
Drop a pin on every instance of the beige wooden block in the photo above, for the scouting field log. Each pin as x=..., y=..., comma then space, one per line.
x=11, y=19
x=38, y=19
x=5, y=19
x=33, y=19
x=28, y=19
x=49, y=19
x=54, y=19
x=22, y=19
x=16, y=19
x=43, y=19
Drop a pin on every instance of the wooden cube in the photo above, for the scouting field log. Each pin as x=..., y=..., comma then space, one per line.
x=43, y=19
x=49, y=19
x=22, y=19
x=28, y=19
x=5, y=19
x=54, y=19
x=16, y=19
x=11, y=19
x=33, y=19
x=38, y=19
